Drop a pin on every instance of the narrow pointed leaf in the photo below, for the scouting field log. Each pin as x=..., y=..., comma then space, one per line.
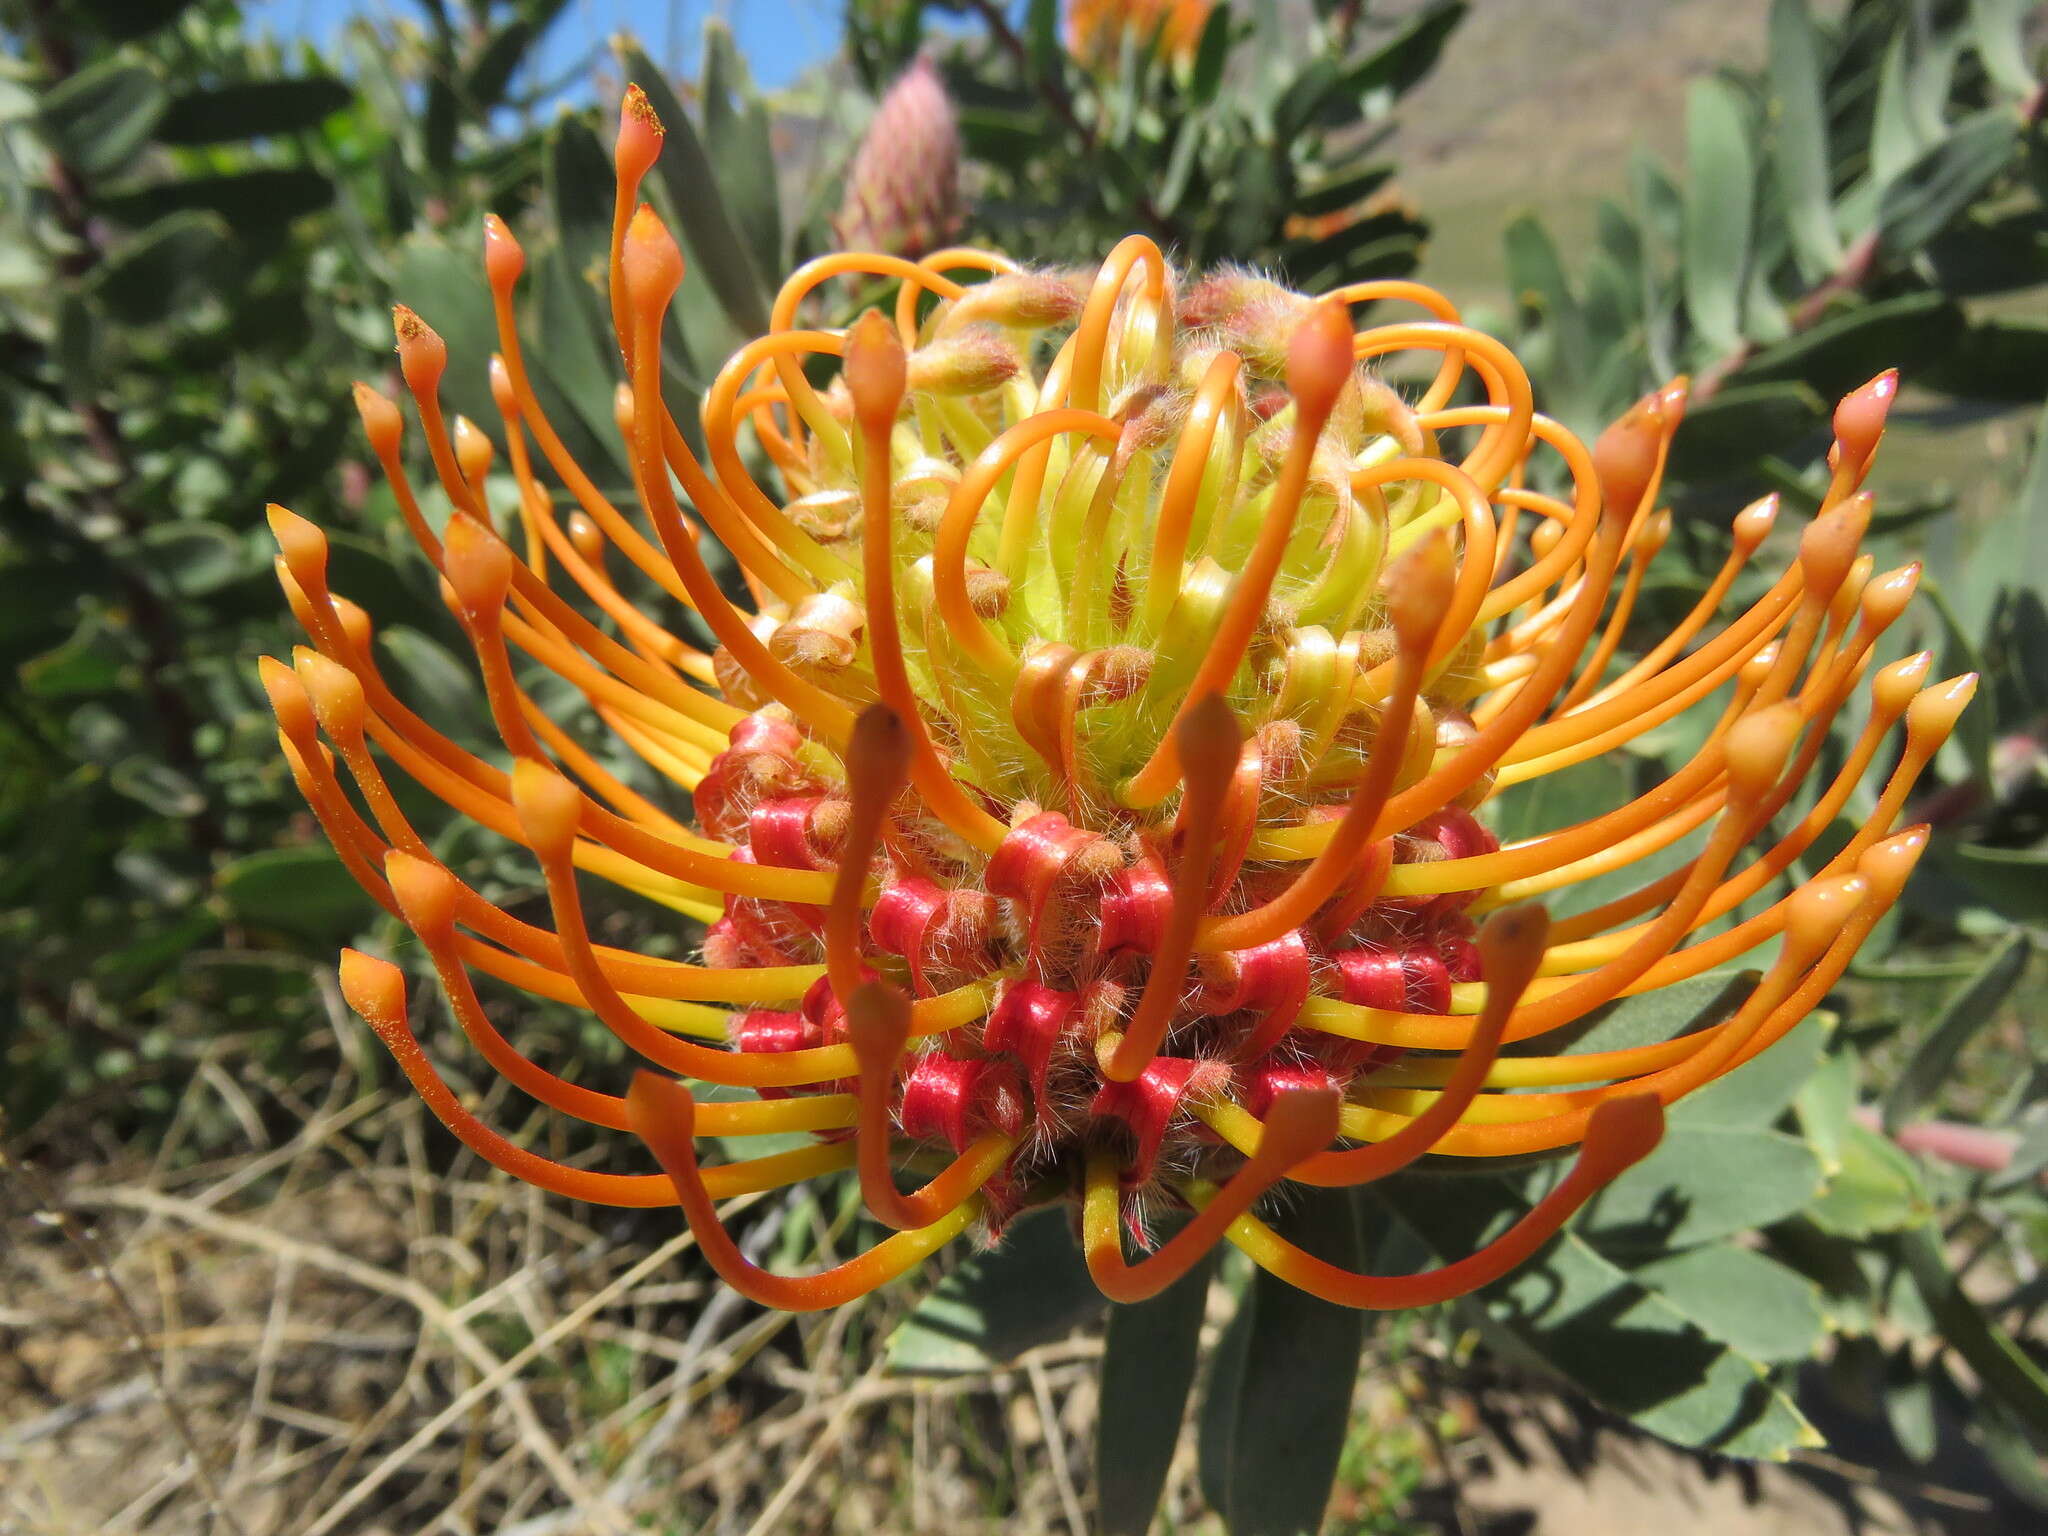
x=1300, y=1365
x=100, y=118
x=736, y=134
x=2005, y=1369
x=1720, y=198
x=228, y=114
x=1973, y=1006
x=1847, y=349
x=1937, y=186
x=1148, y=1364
x=1029, y=1290
x=1800, y=142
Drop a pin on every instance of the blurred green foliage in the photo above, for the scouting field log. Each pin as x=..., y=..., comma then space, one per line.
x=200, y=232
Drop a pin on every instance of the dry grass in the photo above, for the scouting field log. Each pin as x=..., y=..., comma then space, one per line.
x=348, y=1332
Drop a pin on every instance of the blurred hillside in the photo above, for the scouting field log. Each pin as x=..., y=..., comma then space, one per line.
x=1544, y=101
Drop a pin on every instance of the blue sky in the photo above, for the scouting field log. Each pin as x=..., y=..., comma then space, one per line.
x=780, y=38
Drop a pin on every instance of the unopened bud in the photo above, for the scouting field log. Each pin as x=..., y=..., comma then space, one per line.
x=903, y=188
x=422, y=354
x=640, y=135
x=383, y=426
x=473, y=451
x=1034, y=301
x=876, y=371
x=963, y=362
x=652, y=263
x=504, y=261
x=375, y=990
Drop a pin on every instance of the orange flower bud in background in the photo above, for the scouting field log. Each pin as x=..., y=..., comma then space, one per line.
x=1096, y=29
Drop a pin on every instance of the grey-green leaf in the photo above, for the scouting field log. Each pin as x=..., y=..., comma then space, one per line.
x=1626, y=1345
x=1294, y=1398
x=1944, y=180
x=1748, y=1302
x=1029, y=1290
x=1876, y=1189
x=1800, y=140
x=304, y=891
x=250, y=109
x=696, y=203
x=1703, y=1183
x=1720, y=198
x=1973, y=1006
x=1148, y=1363
x=166, y=267
x=98, y=120
x=1732, y=429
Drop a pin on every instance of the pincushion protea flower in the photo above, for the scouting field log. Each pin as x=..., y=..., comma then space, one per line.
x=1090, y=808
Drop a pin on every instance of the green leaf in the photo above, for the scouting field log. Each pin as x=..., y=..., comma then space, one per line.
x=1747, y=1301
x=1703, y=1183
x=228, y=114
x=1732, y=429
x=1412, y=52
x=157, y=785
x=1627, y=1346
x=98, y=120
x=1342, y=193
x=491, y=70
x=1536, y=274
x=695, y=204
x=306, y=892
x=578, y=179
x=737, y=137
x=1149, y=1354
x=1856, y=345
x=266, y=195
x=1800, y=117
x=440, y=687
x=1826, y=1102
x=2004, y=1368
x=1042, y=29
x=1973, y=1006
x=192, y=558
x=2013, y=881
x=1030, y=1290
x=575, y=366
x=1561, y=799
x=1720, y=201
x=166, y=267
x=126, y=20
x=1648, y=1018
x=1943, y=180
x=1300, y=1366
x=1211, y=54
x=1757, y=1093
x=1994, y=360
x=92, y=660
x=1876, y=1189
x=1999, y=28
x=1909, y=1405
x=1222, y=1395
x=1985, y=252
x=446, y=286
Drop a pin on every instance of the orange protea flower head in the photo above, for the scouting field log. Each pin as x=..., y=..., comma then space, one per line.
x=1096, y=29
x=1091, y=803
